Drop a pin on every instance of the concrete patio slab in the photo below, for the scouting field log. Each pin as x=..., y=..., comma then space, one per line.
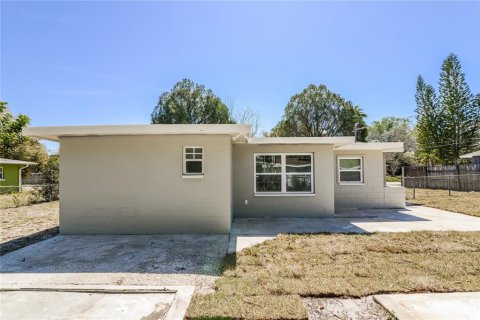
x=440, y=306
x=171, y=260
x=94, y=302
x=247, y=232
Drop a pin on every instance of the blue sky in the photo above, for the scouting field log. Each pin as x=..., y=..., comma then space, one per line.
x=106, y=62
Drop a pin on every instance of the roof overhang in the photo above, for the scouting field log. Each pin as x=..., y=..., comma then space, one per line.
x=236, y=131
x=335, y=141
x=12, y=161
x=471, y=155
x=373, y=146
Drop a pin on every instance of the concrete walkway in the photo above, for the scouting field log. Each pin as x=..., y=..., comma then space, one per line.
x=426, y=306
x=94, y=302
x=247, y=232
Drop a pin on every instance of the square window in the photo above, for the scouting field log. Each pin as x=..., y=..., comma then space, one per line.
x=350, y=170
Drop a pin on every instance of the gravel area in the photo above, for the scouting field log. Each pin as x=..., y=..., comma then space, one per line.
x=26, y=225
x=346, y=309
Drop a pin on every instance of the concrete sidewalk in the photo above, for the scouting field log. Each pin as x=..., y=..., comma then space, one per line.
x=427, y=306
x=94, y=302
x=247, y=232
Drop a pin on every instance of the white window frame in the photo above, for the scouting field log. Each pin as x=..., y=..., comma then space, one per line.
x=1, y=173
x=194, y=174
x=350, y=170
x=283, y=173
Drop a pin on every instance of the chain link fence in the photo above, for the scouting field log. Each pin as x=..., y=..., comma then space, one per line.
x=45, y=192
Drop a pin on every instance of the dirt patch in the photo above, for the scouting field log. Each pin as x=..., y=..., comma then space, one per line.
x=26, y=225
x=353, y=309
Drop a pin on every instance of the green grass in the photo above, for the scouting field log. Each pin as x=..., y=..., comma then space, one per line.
x=267, y=281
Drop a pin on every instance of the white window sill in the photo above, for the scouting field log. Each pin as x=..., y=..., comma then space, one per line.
x=351, y=183
x=192, y=176
x=291, y=194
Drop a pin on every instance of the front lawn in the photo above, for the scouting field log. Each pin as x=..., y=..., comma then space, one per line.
x=267, y=281
x=462, y=202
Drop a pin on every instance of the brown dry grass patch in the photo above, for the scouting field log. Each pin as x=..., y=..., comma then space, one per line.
x=339, y=265
x=462, y=202
x=25, y=225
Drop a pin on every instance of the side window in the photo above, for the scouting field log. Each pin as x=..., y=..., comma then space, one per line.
x=350, y=170
x=193, y=160
x=1, y=172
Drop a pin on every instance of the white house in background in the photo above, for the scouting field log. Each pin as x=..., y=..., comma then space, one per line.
x=150, y=179
x=474, y=156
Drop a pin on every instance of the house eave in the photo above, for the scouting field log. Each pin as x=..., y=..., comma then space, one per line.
x=54, y=133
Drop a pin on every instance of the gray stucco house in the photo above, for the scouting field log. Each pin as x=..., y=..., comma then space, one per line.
x=151, y=179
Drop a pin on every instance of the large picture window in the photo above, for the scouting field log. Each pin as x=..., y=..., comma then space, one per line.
x=284, y=173
x=193, y=160
x=350, y=170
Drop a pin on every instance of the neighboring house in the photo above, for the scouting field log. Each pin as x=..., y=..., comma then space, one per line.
x=11, y=174
x=474, y=156
x=148, y=179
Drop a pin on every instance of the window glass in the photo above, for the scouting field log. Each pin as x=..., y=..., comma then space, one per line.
x=299, y=183
x=193, y=160
x=350, y=176
x=193, y=166
x=269, y=183
x=350, y=164
x=284, y=173
x=268, y=164
x=300, y=163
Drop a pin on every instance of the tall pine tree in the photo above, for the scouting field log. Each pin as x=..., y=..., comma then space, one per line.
x=447, y=126
x=428, y=123
x=460, y=116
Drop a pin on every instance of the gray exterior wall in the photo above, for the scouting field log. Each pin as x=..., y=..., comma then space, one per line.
x=373, y=193
x=319, y=205
x=134, y=185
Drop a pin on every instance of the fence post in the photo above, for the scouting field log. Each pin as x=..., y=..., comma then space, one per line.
x=403, y=176
x=448, y=182
x=414, y=184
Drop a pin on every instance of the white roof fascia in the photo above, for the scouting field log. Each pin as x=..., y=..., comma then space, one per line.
x=336, y=141
x=54, y=133
x=373, y=146
x=471, y=154
x=11, y=161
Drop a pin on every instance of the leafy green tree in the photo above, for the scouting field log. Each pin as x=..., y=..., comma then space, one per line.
x=447, y=126
x=51, y=173
x=190, y=103
x=393, y=129
x=317, y=111
x=13, y=145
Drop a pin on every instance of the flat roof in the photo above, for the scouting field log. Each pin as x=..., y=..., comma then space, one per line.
x=11, y=161
x=54, y=133
x=378, y=146
x=471, y=155
x=335, y=141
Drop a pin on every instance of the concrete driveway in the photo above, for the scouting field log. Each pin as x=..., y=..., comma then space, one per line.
x=173, y=260
x=247, y=232
x=176, y=264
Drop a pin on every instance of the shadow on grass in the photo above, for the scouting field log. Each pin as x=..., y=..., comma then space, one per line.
x=30, y=239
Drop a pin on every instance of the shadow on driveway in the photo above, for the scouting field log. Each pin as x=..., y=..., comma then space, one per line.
x=162, y=254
